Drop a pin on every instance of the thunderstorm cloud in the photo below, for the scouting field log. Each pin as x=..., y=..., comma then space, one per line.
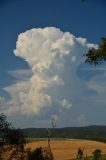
x=53, y=57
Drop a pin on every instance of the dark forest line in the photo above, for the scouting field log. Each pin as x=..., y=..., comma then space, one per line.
x=89, y=132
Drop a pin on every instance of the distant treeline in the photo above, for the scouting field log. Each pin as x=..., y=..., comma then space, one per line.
x=97, y=133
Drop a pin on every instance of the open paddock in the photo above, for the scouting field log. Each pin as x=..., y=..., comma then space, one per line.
x=67, y=149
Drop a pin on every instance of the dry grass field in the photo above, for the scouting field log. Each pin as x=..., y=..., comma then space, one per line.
x=67, y=149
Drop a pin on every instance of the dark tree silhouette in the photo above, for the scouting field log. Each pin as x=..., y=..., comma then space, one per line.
x=16, y=141
x=37, y=154
x=49, y=130
x=96, y=56
x=4, y=129
x=11, y=141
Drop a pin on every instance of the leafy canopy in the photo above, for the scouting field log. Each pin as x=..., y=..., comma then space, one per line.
x=96, y=56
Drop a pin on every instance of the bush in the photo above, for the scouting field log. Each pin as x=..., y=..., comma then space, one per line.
x=97, y=154
x=36, y=154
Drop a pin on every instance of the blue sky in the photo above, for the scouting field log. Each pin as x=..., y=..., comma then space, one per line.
x=85, y=87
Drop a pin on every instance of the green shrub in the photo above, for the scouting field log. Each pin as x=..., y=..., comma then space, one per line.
x=97, y=154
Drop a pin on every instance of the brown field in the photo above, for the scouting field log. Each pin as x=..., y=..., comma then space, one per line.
x=67, y=149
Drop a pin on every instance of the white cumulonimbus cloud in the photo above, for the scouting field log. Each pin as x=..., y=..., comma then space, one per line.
x=53, y=56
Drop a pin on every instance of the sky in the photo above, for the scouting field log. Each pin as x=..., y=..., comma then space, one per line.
x=43, y=75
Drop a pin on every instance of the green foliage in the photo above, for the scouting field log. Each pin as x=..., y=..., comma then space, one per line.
x=11, y=141
x=103, y=157
x=96, y=56
x=4, y=126
x=97, y=154
x=4, y=130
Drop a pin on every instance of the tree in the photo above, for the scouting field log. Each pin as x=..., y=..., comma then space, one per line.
x=11, y=141
x=15, y=137
x=4, y=129
x=49, y=139
x=96, y=56
x=16, y=141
